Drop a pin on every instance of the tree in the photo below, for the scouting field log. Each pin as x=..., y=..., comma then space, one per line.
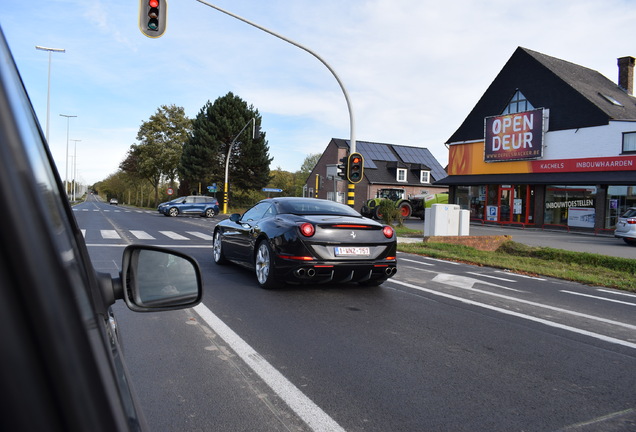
x=218, y=125
x=309, y=163
x=158, y=154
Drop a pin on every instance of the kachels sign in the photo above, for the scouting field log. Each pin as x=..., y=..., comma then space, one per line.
x=516, y=136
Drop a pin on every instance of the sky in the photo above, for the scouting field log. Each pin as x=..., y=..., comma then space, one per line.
x=412, y=69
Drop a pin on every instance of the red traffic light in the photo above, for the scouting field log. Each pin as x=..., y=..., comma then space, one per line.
x=153, y=17
x=355, y=168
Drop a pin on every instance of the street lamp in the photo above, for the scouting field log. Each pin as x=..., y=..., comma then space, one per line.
x=48, y=91
x=75, y=141
x=227, y=160
x=68, y=118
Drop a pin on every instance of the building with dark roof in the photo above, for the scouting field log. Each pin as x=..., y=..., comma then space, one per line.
x=413, y=169
x=549, y=143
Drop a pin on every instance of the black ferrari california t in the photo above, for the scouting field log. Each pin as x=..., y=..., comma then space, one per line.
x=307, y=240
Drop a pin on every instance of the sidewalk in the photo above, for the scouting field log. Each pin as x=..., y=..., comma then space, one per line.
x=603, y=244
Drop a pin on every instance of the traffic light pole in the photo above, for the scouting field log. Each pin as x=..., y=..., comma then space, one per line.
x=352, y=139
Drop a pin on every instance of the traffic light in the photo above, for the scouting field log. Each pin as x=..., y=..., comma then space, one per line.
x=342, y=168
x=153, y=15
x=355, y=168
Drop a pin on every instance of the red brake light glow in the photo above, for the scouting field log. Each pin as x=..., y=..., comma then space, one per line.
x=631, y=221
x=387, y=231
x=297, y=258
x=307, y=229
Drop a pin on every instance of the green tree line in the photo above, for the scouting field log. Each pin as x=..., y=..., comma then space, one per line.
x=188, y=155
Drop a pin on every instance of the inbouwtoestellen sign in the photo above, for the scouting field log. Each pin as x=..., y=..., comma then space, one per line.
x=514, y=136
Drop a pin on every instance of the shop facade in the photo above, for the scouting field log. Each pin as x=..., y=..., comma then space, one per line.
x=550, y=143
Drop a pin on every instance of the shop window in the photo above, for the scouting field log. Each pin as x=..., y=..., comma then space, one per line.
x=518, y=103
x=629, y=142
x=401, y=175
x=572, y=206
x=619, y=199
x=425, y=176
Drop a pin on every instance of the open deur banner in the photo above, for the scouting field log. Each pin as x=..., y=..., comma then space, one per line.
x=516, y=136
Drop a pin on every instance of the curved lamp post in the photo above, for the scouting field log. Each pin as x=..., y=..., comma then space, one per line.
x=227, y=160
x=344, y=90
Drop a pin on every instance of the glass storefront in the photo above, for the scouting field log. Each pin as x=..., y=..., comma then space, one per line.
x=572, y=206
x=619, y=199
x=498, y=203
x=564, y=205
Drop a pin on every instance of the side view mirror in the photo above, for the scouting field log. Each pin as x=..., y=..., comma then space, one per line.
x=235, y=217
x=155, y=279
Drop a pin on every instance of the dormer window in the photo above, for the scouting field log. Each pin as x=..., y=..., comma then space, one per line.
x=518, y=103
x=425, y=176
x=401, y=175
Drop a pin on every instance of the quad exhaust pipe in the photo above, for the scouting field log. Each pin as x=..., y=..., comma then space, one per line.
x=390, y=271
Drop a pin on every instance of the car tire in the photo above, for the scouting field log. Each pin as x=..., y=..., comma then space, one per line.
x=629, y=241
x=173, y=211
x=264, y=265
x=217, y=249
x=209, y=213
x=406, y=210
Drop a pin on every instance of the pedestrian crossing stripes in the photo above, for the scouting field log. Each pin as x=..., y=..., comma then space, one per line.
x=144, y=235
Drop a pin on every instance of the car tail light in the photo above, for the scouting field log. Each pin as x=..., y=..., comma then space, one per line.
x=387, y=231
x=307, y=229
x=631, y=221
x=297, y=258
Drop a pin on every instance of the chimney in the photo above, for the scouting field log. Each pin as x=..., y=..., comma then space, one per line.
x=626, y=74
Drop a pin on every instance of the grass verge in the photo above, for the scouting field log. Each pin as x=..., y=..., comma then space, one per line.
x=585, y=268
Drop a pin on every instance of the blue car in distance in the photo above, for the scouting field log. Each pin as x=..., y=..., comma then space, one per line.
x=204, y=206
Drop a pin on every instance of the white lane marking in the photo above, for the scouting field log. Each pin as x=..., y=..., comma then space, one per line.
x=621, y=293
x=173, y=235
x=168, y=246
x=200, y=235
x=441, y=260
x=463, y=282
x=519, y=275
x=141, y=235
x=414, y=261
x=466, y=282
x=598, y=298
x=520, y=315
x=492, y=277
x=304, y=407
x=109, y=234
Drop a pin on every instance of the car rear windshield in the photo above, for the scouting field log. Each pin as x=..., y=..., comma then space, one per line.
x=316, y=207
x=630, y=213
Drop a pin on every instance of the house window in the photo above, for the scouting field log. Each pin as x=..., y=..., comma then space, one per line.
x=425, y=176
x=401, y=174
x=518, y=103
x=629, y=142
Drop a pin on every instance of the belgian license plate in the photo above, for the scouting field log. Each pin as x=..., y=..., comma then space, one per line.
x=352, y=251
